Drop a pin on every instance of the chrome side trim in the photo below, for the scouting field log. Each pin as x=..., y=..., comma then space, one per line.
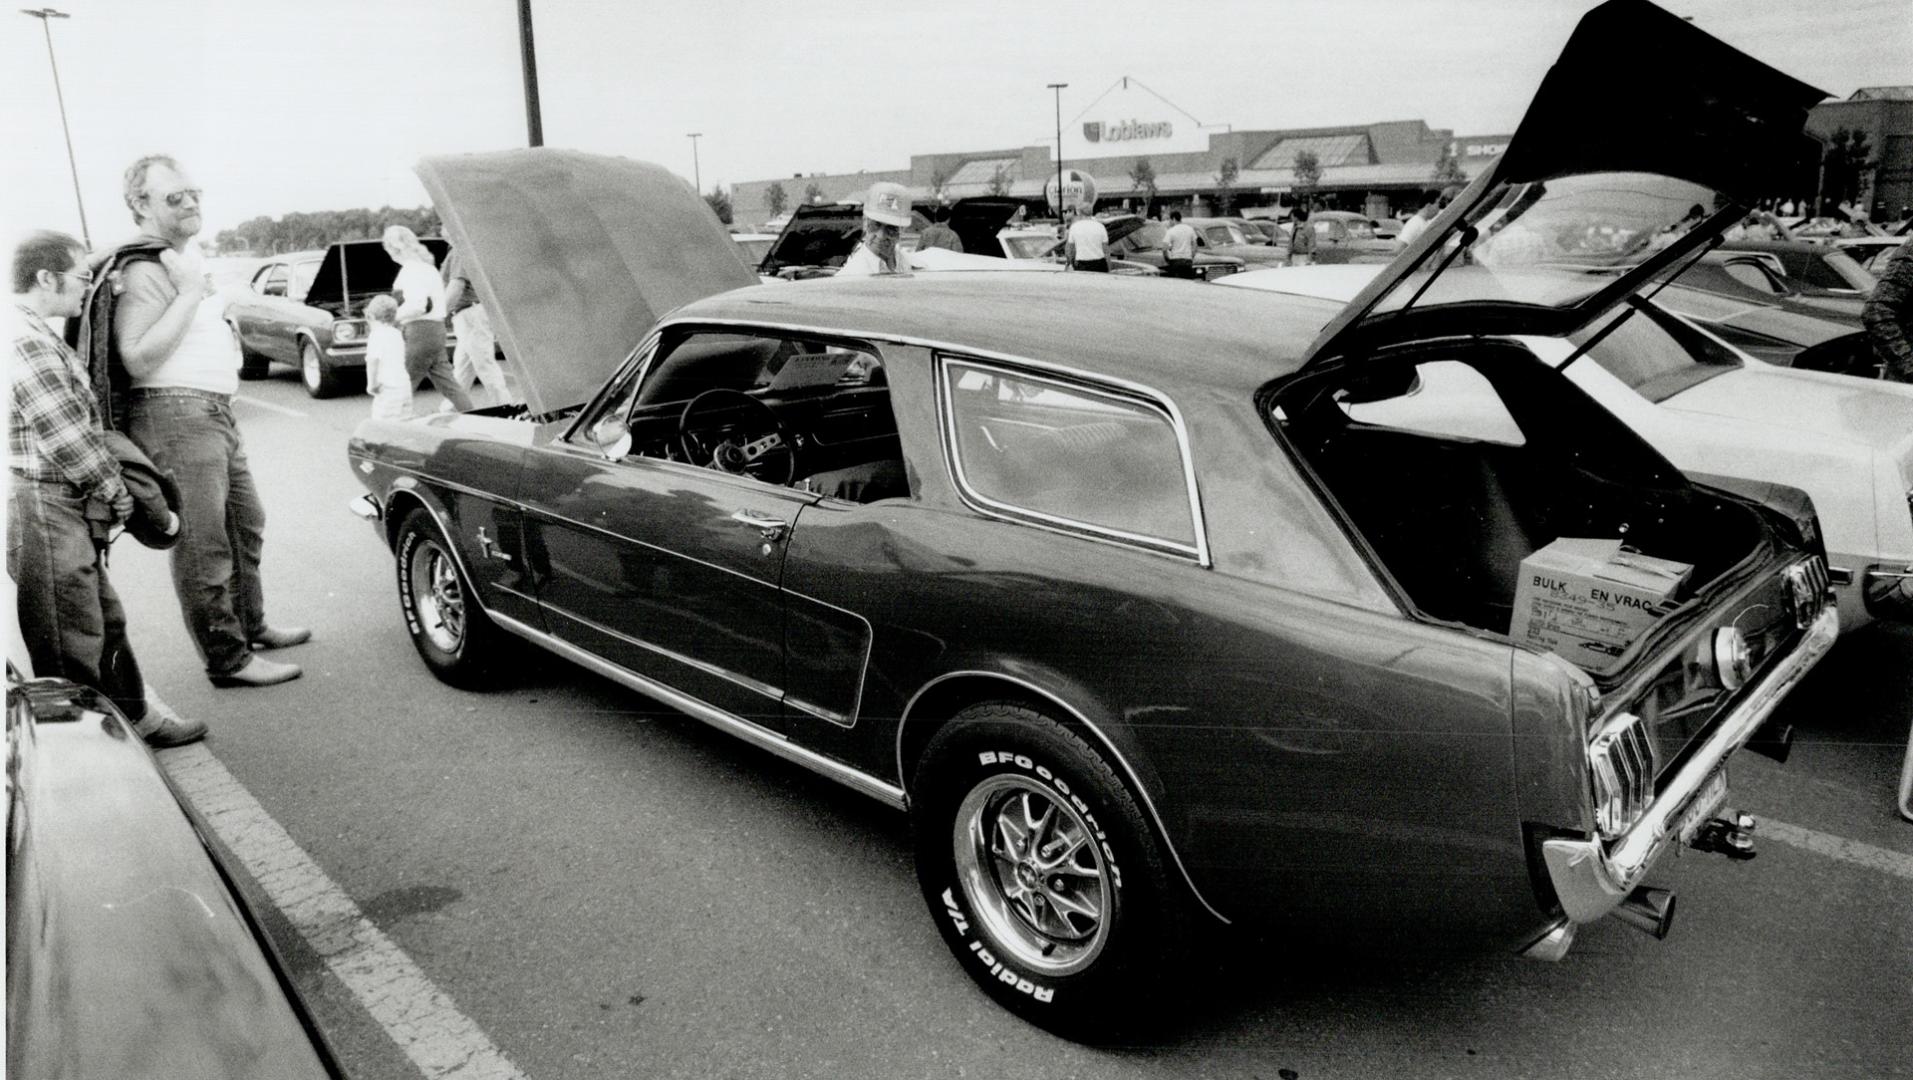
x=756, y=735
x=1129, y=772
x=1591, y=878
x=762, y=689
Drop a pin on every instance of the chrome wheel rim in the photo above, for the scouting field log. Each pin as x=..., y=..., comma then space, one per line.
x=1033, y=873
x=309, y=367
x=437, y=598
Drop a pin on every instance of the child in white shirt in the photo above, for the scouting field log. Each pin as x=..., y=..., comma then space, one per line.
x=385, y=376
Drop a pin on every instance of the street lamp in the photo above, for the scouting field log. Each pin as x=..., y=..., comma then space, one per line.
x=697, y=178
x=528, y=60
x=45, y=15
x=1058, y=87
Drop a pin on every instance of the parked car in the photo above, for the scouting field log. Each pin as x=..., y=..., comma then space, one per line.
x=1823, y=269
x=1138, y=240
x=1758, y=278
x=1811, y=339
x=1345, y=237
x=982, y=223
x=1270, y=232
x=1220, y=236
x=305, y=309
x=1719, y=412
x=128, y=953
x=1111, y=584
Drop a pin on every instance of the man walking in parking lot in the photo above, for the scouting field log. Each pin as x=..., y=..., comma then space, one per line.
x=1889, y=315
x=65, y=486
x=1179, y=248
x=1087, y=245
x=170, y=333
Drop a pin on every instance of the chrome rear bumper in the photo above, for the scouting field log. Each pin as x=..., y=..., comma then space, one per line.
x=1592, y=878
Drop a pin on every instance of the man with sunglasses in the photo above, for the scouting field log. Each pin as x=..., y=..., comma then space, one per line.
x=171, y=336
x=62, y=471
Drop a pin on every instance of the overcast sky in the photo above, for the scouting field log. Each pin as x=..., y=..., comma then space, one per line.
x=283, y=105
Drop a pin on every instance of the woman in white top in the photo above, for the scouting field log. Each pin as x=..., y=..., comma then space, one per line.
x=421, y=314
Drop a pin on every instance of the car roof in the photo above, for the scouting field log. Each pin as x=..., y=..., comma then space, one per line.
x=1158, y=332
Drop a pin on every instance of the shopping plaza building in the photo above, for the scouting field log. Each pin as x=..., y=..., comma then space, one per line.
x=1378, y=168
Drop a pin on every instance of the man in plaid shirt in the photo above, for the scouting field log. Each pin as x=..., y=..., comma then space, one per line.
x=63, y=479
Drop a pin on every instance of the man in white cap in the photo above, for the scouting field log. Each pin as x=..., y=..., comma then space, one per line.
x=886, y=215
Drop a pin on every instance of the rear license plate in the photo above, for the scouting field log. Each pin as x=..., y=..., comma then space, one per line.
x=1712, y=793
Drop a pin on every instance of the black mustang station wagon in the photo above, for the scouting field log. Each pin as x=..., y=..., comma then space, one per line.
x=1113, y=584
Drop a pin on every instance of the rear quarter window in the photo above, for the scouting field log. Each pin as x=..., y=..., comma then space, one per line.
x=1068, y=455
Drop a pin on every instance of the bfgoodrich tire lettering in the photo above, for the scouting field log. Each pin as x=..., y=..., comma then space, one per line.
x=1041, y=872
x=451, y=631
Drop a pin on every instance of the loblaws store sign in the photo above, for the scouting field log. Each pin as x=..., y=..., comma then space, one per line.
x=1099, y=131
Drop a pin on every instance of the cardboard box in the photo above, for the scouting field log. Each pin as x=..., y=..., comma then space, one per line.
x=1587, y=599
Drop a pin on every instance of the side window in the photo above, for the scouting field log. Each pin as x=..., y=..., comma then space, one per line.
x=1029, y=445
x=1442, y=397
x=1752, y=276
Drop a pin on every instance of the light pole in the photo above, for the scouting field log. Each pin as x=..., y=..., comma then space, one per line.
x=45, y=15
x=528, y=58
x=1058, y=87
x=697, y=178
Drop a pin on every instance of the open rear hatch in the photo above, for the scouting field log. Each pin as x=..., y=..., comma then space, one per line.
x=1454, y=455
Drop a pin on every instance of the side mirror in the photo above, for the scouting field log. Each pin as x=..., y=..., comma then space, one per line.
x=612, y=438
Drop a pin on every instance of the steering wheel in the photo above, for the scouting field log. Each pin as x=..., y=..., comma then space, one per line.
x=758, y=446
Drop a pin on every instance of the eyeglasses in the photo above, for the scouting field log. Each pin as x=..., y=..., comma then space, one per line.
x=177, y=199
x=86, y=277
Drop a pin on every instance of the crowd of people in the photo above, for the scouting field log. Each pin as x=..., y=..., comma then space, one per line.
x=123, y=425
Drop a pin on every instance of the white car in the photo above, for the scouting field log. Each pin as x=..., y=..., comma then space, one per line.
x=1713, y=410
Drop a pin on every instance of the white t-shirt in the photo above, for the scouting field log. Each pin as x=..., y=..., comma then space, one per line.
x=1180, y=241
x=207, y=358
x=864, y=262
x=1090, y=238
x=419, y=284
x=1413, y=228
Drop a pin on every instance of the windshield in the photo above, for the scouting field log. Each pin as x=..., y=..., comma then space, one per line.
x=1146, y=238
x=1358, y=229
x=302, y=275
x=1655, y=354
x=1839, y=270
x=1030, y=247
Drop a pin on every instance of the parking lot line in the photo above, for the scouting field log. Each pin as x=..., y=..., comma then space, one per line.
x=281, y=409
x=420, y=1018
x=1838, y=847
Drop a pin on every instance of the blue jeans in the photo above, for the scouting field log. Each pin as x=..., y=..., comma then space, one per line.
x=223, y=524
x=70, y=617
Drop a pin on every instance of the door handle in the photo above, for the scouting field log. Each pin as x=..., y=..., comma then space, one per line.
x=772, y=529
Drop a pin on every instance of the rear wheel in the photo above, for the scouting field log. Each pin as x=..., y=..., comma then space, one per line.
x=252, y=366
x=452, y=633
x=321, y=379
x=1041, y=872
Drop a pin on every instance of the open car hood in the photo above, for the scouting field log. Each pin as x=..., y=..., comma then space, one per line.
x=353, y=271
x=815, y=235
x=1121, y=225
x=576, y=256
x=977, y=219
x=1607, y=169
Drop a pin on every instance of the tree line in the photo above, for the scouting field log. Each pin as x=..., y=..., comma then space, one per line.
x=310, y=231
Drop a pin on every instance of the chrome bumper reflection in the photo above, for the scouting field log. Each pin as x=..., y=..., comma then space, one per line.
x=1592, y=878
x=1888, y=592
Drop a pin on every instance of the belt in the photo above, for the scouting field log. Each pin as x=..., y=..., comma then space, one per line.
x=139, y=392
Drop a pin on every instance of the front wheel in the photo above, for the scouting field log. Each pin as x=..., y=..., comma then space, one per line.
x=451, y=632
x=321, y=380
x=1041, y=872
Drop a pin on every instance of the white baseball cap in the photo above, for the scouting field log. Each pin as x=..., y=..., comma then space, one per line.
x=888, y=203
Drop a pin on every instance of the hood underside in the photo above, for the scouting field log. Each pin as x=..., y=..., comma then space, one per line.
x=577, y=255
x=353, y=271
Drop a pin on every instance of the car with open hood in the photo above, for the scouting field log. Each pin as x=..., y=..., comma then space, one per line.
x=1116, y=587
x=1723, y=416
x=306, y=309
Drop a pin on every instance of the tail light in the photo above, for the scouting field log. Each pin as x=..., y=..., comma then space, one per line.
x=1622, y=767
